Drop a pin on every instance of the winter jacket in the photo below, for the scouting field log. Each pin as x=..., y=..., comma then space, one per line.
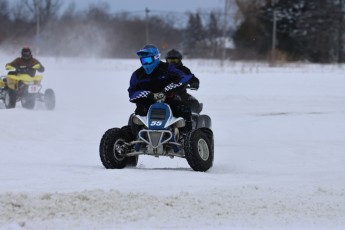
x=25, y=66
x=165, y=78
x=194, y=81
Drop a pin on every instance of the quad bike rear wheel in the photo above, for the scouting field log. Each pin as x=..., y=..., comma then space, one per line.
x=10, y=99
x=199, y=150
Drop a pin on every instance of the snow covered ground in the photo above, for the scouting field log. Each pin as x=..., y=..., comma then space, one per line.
x=279, y=153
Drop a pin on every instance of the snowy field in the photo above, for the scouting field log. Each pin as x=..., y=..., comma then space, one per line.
x=279, y=153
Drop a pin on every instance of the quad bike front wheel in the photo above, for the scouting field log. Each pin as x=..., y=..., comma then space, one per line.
x=49, y=99
x=10, y=99
x=113, y=147
x=199, y=150
x=29, y=101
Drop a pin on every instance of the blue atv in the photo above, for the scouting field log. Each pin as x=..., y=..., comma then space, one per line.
x=159, y=134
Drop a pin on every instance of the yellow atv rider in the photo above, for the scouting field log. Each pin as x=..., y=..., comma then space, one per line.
x=26, y=64
x=26, y=60
x=22, y=83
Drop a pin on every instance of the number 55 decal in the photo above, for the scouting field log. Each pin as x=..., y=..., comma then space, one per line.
x=156, y=123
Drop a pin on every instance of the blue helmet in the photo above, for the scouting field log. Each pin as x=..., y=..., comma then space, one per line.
x=149, y=58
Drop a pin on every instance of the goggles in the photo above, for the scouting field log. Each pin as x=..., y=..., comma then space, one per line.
x=26, y=55
x=148, y=60
x=173, y=60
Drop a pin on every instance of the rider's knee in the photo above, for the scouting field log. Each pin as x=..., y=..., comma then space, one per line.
x=141, y=110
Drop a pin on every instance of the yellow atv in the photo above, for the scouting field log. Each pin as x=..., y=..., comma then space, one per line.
x=20, y=86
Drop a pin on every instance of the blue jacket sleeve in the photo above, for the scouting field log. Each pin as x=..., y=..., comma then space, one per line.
x=134, y=94
x=183, y=79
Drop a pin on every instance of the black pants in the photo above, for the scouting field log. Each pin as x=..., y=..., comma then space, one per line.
x=190, y=101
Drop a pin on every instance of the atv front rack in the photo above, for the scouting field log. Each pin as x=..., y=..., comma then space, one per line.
x=155, y=138
x=156, y=142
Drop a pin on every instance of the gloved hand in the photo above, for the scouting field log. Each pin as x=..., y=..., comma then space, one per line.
x=170, y=95
x=150, y=95
x=37, y=66
x=194, y=85
x=9, y=67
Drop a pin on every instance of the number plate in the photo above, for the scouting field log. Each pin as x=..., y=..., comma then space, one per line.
x=156, y=123
x=33, y=88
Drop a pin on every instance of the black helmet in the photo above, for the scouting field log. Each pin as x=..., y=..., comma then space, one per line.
x=26, y=53
x=173, y=56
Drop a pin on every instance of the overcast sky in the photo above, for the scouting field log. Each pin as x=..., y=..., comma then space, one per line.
x=163, y=5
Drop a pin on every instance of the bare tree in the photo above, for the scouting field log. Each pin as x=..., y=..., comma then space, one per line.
x=46, y=9
x=4, y=18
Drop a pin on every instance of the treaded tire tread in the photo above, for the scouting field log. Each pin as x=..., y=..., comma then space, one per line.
x=12, y=99
x=49, y=99
x=191, y=150
x=106, y=149
x=29, y=101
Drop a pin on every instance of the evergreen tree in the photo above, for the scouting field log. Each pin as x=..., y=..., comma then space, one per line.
x=194, y=36
x=319, y=29
x=307, y=30
x=254, y=35
x=213, y=34
x=4, y=19
x=288, y=13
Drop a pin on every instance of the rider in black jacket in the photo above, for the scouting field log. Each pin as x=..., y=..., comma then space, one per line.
x=175, y=57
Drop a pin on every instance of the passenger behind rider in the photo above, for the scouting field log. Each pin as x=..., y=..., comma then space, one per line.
x=175, y=57
x=155, y=76
x=25, y=64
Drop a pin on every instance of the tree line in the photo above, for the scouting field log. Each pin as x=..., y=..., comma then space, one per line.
x=96, y=32
x=305, y=30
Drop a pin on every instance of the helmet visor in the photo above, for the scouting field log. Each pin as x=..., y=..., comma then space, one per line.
x=26, y=54
x=173, y=60
x=147, y=60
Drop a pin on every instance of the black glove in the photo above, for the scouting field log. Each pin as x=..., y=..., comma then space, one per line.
x=194, y=85
x=150, y=96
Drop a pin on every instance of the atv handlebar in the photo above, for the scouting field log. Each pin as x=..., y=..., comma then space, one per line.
x=22, y=67
x=191, y=88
